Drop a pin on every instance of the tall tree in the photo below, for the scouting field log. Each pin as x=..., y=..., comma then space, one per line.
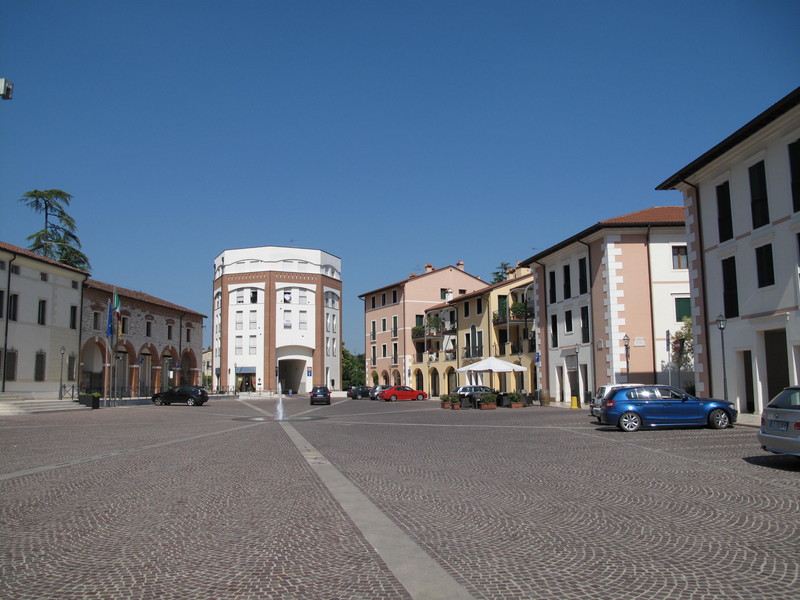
x=57, y=239
x=352, y=368
x=501, y=274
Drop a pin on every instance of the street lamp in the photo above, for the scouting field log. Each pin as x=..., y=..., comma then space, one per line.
x=721, y=323
x=61, y=376
x=627, y=341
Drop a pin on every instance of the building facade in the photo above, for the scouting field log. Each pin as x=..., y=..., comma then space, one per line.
x=40, y=307
x=153, y=345
x=607, y=300
x=742, y=199
x=391, y=313
x=277, y=319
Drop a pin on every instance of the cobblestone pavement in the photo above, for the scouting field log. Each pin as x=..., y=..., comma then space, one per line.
x=220, y=502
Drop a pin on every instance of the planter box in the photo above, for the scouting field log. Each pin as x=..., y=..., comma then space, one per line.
x=455, y=406
x=488, y=406
x=517, y=405
x=445, y=405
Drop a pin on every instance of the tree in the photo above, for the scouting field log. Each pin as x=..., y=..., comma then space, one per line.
x=683, y=356
x=57, y=239
x=352, y=368
x=501, y=274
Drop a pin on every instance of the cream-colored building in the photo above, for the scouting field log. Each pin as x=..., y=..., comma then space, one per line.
x=391, y=313
x=622, y=279
x=742, y=200
x=277, y=318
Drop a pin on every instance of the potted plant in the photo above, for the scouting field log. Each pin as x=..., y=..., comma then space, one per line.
x=515, y=400
x=447, y=400
x=518, y=310
x=488, y=401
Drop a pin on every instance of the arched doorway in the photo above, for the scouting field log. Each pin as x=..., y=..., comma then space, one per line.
x=434, y=382
x=452, y=380
x=419, y=381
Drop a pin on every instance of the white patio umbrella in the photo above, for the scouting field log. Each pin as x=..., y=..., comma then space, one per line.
x=490, y=365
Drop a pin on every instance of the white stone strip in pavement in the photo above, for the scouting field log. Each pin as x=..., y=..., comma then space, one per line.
x=422, y=576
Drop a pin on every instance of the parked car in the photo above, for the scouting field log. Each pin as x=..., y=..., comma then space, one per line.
x=602, y=392
x=320, y=394
x=473, y=393
x=401, y=392
x=780, y=423
x=359, y=391
x=630, y=409
x=193, y=395
x=373, y=395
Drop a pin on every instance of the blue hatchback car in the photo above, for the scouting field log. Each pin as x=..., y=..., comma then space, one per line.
x=630, y=409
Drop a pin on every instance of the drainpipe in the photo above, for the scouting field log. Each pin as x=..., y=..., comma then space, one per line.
x=8, y=306
x=702, y=258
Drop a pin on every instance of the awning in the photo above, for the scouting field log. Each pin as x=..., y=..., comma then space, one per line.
x=245, y=370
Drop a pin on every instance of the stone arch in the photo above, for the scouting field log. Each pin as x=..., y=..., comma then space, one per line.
x=434, y=375
x=396, y=378
x=188, y=371
x=124, y=362
x=168, y=358
x=148, y=361
x=385, y=378
x=418, y=380
x=451, y=380
x=93, y=361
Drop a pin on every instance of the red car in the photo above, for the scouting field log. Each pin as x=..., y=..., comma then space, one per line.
x=401, y=392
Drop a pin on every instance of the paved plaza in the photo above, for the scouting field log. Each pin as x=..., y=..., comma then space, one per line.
x=371, y=500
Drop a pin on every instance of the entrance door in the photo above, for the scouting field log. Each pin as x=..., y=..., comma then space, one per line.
x=777, y=361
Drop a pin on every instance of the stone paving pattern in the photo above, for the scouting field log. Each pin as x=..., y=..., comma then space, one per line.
x=215, y=502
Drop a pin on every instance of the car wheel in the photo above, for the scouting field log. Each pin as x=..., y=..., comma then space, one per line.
x=420, y=397
x=190, y=402
x=719, y=419
x=630, y=422
x=159, y=401
x=393, y=398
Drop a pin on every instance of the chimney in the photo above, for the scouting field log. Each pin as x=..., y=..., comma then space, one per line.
x=460, y=265
x=428, y=267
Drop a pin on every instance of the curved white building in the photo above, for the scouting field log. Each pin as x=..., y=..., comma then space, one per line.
x=277, y=318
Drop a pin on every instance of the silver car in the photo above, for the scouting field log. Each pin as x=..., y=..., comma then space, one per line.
x=780, y=423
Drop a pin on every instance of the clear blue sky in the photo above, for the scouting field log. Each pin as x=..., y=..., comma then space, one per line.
x=390, y=134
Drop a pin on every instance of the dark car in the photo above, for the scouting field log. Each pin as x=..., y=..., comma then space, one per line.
x=359, y=391
x=630, y=409
x=320, y=394
x=193, y=395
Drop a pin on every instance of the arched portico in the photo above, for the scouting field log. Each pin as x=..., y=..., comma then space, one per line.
x=434, y=375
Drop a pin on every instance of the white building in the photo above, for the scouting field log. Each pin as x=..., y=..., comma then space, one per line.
x=277, y=318
x=40, y=308
x=742, y=199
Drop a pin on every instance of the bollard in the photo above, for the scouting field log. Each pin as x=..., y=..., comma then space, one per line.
x=575, y=403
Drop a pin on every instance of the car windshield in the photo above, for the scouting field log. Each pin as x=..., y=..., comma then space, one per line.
x=789, y=399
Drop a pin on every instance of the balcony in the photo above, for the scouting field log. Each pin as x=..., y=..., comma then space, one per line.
x=472, y=352
x=518, y=313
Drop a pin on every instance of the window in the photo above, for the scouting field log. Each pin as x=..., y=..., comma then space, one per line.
x=373, y=302
x=253, y=296
x=552, y=277
x=567, y=283
x=253, y=319
x=759, y=205
x=443, y=293
x=96, y=321
x=372, y=331
x=383, y=324
x=237, y=347
x=239, y=319
x=287, y=296
x=252, y=346
x=303, y=319
x=169, y=332
x=679, y=258
x=71, y=362
x=38, y=367
x=41, y=313
x=11, y=365
x=148, y=328
x=724, y=214
x=794, y=174
x=287, y=319
x=383, y=299
x=74, y=285
x=462, y=292
x=394, y=326
x=583, y=277
x=683, y=308
x=125, y=323
x=568, y=321
x=730, y=293
x=554, y=331
x=73, y=316
x=188, y=335
x=2, y=302
x=383, y=350
x=394, y=296
x=585, y=324
x=239, y=296
x=466, y=308
x=394, y=353
x=14, y=269
x=479, y=306
x=302, y=296
x=2, y=265
x=765, y=270
x=13, y=300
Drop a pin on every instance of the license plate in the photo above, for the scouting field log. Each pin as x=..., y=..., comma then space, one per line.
x=778, y=425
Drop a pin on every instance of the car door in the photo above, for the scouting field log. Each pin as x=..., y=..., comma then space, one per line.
x=680, y=407
x=646, y=401
x=404, y=392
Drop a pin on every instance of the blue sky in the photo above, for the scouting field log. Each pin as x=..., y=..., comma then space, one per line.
x=391, y=134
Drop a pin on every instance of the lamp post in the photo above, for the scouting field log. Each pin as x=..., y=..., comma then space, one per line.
x=721, y=323
x=61, y=376
x=627, y=341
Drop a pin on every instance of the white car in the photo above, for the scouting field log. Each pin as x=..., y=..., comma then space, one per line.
x=780, y=423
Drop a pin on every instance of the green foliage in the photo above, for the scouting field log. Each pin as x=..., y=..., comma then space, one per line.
x=57, y=239
x=501, y=274
x=352, y=368
x=489, y=399
x=685, y=358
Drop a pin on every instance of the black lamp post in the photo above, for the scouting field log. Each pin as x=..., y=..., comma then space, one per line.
x=61, y=376
x=721, y=323
x=627, y=341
